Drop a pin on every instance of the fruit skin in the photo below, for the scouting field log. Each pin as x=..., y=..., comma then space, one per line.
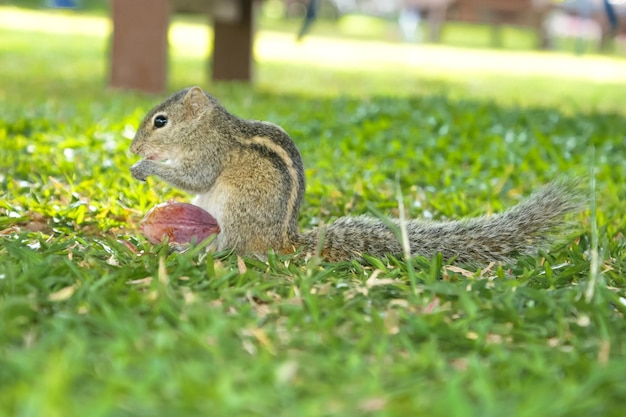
x=179, y=222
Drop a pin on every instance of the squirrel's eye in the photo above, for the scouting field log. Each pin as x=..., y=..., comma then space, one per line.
x=160, y=121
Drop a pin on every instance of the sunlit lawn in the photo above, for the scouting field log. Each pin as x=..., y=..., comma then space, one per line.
x=344, y=66
x=94, y=321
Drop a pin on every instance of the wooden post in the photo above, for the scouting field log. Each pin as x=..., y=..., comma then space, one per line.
x=139, y=46
x=232, y=45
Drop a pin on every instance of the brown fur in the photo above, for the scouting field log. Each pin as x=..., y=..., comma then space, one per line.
x=249, y=176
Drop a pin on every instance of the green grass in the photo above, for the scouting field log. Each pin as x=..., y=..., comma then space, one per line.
x=94, y=321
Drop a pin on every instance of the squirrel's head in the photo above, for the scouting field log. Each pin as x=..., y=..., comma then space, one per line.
x=166, y=131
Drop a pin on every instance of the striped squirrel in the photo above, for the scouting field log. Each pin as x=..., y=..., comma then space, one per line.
x=249, y=175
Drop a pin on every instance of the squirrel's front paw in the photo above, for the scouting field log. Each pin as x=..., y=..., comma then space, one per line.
x=141, y=170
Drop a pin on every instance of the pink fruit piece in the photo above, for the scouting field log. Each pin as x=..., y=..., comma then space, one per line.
x=179, y=222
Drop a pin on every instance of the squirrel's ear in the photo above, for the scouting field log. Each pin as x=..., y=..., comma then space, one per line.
x=196, y=100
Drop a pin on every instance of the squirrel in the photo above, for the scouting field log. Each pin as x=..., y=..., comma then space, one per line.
x=249, y=176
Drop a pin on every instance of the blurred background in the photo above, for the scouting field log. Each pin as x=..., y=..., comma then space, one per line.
x=477, y=47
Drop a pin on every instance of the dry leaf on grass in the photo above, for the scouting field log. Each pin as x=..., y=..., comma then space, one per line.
x=458, y=270
x=63, y=294
x=373, y=280
x=141, y=281
x=241, y=265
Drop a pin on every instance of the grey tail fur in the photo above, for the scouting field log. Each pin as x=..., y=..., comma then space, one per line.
x=523, y=229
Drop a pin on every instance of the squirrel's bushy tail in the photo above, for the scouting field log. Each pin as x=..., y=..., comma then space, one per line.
x=524, y=229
